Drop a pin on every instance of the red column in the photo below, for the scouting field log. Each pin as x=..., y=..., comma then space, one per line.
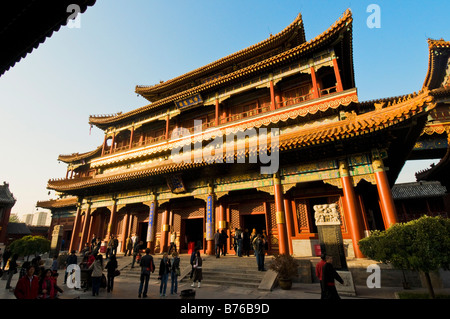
x=167, y=127
x=217, y=113
x=111, y=149
x=104, y=144
x=86, y=226
x=76, y=230
x=314, y=83
x=289, y=223
x=126, y=219
x=384, y=192
x=272, y=96
x=352, y=208
x=222, y=218
x=164, y=231
x=112, y=222
x=280, y=216
x=339, y=86
x=131, y=137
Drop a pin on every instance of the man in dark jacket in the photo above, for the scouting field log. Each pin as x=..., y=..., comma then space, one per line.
x=329, y=274
x=217, y=242
x=71, y=259
x=136, y=248
x=147, y=267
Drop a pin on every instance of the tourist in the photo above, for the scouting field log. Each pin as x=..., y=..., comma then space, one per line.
x=128, y=246
x=93, y=243
x=319, y=270
x=24, y=269
x=115, y=245
x=28, y=286
x=252, y=238
x=12, y=269
x=217, y=243
x=111, y=267
x=136, y=251
x=71, y=259
x=266, y=240
x=259, y=247
x=329, y=274
x=48, y=289
x=110, y=246
x=246, y=243
x=173, y=237
x=192, y=260
x=223, y=242
x=5, y=257
x=198, y=273
x=175, y=272
x=96, y=275
x=164, y=270
x=147, y=267
x=55, y=265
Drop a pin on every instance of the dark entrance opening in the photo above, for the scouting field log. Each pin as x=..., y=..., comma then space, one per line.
x=143, y=227
x=193, y=231
x=256, y=221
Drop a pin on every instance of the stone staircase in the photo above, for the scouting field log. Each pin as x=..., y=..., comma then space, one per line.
x=230, y=270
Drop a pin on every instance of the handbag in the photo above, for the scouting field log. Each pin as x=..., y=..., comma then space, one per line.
x=116, y=273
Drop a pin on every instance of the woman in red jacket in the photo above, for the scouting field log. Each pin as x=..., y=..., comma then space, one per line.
x=28, y=286
x=48, y=289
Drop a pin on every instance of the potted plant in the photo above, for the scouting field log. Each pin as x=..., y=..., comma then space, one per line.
x=286, y=267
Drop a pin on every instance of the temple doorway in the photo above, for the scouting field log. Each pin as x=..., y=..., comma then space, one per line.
x=193, y=233
x=143, y=227
x=254, y=221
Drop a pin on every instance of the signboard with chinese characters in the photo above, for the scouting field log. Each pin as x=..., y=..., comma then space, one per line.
x=191, y=101
x=209, y=218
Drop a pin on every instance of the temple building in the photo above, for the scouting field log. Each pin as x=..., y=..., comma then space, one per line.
x=254, y=140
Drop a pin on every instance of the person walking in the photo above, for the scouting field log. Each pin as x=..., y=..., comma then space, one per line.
x=96, y=275
x=12, y=269
x=217, y=242
x=109, y=247
x=110, y=267
x=319, y=271
x=329, y=274
x=28, y=286
x=164, y=270
x=223, y=242
x=147, y=267
x=175, y=272
x=6, y=255
x=198, y=273
x=71, y=259
x=128, y=246
x=136, y=251
x=259, y=245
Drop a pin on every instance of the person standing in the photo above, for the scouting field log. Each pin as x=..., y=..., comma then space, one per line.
x=136, y=251
x=319, y=270
x=28, y=286
x=192, y=260
x=110, y=267
x=96, y=275
x=109, y=248
x=217, y=242
x=147, y=267
x=223, y=242
x=329, y=274
x=175, y=272
x=71, y=259
x=164, y=270
x=115, y=245
x=173, y=238
x=48, y=289
x=198, y=272
x=12, y=264
x=246, y=243
x=128, y=246
x=93, y=242
x=259, y=245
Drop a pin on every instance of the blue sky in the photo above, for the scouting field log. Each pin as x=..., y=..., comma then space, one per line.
x=46, y=99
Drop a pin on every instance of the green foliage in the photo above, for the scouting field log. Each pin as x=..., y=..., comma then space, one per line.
x=29, y=245
x=422, y=244
x=285, y=265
